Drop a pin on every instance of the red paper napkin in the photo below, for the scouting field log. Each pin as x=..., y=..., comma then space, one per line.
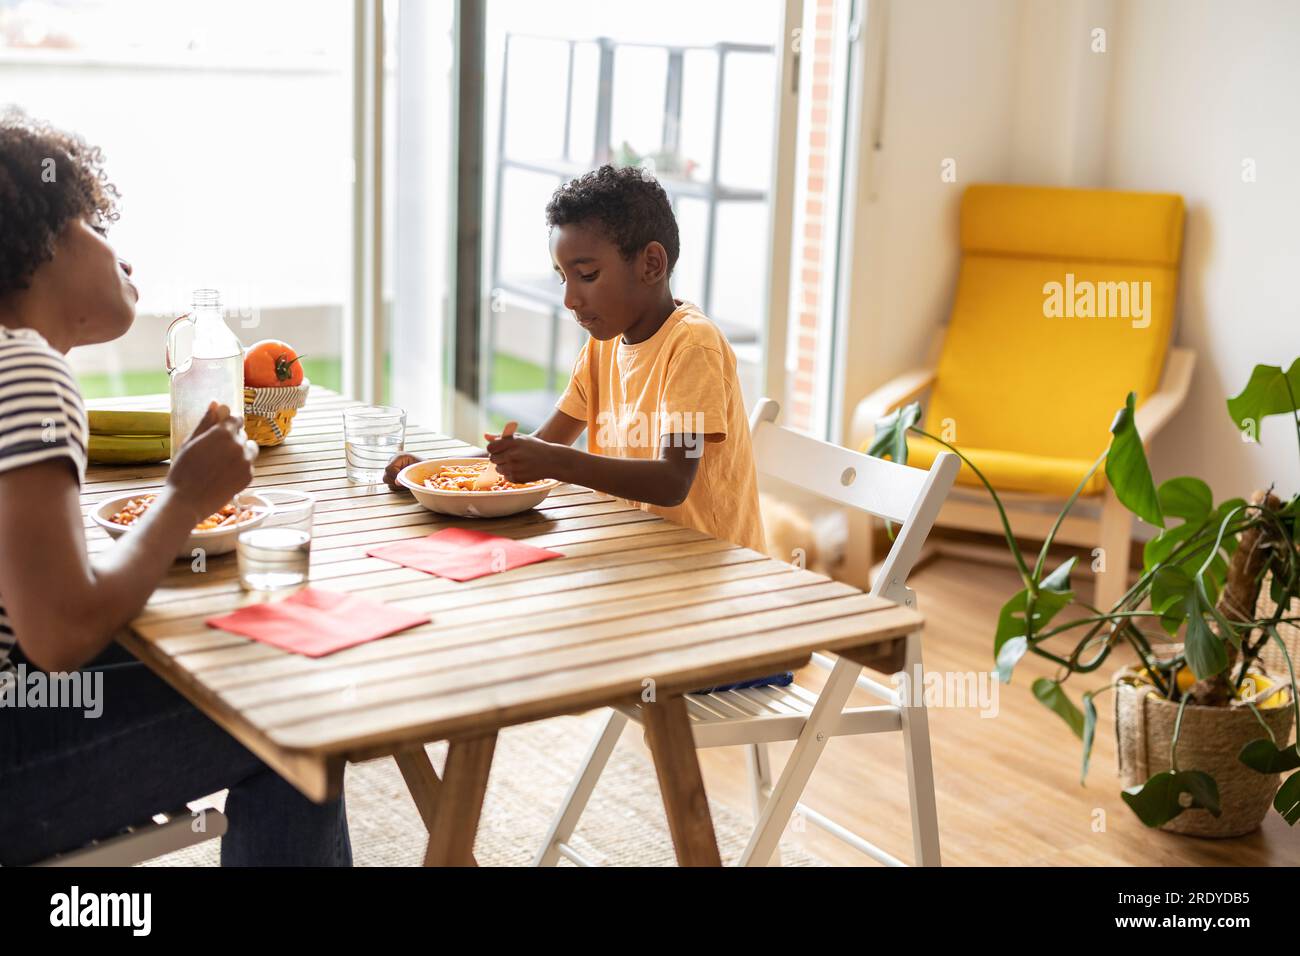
x=461, y=553
x=316, y=623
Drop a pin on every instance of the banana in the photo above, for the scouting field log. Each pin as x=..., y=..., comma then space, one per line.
x=128, y=449
x=109, y=422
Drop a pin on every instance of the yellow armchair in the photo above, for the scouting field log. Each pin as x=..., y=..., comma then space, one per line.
x=1064, y=304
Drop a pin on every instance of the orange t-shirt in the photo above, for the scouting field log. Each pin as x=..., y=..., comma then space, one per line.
x=680, y=381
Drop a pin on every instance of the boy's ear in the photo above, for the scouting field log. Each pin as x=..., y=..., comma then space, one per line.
x=655, y=263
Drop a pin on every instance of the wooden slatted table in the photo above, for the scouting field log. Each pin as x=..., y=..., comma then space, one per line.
x=636, y=603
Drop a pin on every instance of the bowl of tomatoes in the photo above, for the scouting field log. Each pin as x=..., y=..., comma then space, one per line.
x=274, y=389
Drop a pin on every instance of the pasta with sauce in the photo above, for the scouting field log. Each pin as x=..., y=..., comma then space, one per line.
x=134, y=510
x=462, y=478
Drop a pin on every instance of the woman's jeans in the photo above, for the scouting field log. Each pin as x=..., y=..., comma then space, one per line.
x=67, y=778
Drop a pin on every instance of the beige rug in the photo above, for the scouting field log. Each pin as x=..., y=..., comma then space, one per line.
x=534, y=764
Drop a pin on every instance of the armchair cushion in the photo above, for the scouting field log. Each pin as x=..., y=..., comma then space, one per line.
x=1032, y=391
x=1013, y=471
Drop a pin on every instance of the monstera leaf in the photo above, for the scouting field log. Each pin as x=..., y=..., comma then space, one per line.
x=1127, y=469
x=1270, y=391
x=890, y=438
x=1053, y=697
x=1015, y=626
x=1160, y=799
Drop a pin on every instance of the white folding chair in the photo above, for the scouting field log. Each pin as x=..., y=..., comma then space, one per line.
x=755, y=717
x=161, y=834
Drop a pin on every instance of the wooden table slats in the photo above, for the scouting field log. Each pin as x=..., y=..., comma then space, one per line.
x=635, y=602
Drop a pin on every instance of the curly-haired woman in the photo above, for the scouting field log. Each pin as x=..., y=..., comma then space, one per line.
x=68, y=776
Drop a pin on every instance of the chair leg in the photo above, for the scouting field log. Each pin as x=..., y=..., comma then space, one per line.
x=1116, y=541
x=807, y=749
x=916, y=755
x=575, y=801
x=759, y=764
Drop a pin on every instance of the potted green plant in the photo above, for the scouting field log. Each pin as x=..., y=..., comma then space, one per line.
x=1203, y=731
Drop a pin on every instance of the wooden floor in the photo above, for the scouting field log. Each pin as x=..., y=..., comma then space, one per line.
x=1008, y=785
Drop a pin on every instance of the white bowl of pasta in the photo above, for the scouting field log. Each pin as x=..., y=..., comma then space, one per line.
x=445, y=485
x=215, y=534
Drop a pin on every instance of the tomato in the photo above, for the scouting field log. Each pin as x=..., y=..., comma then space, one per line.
x=271, y=363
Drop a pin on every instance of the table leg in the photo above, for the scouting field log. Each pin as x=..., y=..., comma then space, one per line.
x=422, y=782
x=668, y=731
x=460, y=801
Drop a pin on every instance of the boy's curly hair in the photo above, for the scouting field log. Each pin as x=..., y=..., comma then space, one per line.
x=48, y=178
x=629, y=204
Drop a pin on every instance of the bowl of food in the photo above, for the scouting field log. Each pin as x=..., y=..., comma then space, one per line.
x=446, y=485
x=215, y=534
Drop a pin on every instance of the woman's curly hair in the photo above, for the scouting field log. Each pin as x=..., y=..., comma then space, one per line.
x=48, y=178
x=629, y=205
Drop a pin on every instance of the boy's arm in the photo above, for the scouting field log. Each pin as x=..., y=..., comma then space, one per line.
x=559, y=429
x=663, y=481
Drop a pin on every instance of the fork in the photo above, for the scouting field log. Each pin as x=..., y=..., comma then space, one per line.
x=490, y=474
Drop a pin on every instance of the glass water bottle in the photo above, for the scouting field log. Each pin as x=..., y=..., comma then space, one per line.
x=209, y=369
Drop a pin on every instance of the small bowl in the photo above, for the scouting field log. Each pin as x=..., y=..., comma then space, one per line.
x=214, y=542
x=470, y=504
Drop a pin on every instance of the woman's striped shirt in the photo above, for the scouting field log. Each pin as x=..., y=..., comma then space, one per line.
x=42, y=417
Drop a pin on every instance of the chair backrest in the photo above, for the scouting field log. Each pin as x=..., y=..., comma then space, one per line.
x=910, y=497
x=1064, y=303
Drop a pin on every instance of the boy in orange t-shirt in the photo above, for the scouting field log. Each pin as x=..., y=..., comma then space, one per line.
x=655, y=386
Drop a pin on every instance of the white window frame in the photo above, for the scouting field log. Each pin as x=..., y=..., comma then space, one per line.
x=365, y=338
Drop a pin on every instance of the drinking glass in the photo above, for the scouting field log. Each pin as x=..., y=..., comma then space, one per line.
x=372, y=435
x=277, y=553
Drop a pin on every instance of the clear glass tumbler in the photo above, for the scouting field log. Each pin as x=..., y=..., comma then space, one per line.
x=277, y=553
x=372, y=435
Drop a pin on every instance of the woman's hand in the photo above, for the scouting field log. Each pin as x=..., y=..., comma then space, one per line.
x=65, y=607
x=214, y=463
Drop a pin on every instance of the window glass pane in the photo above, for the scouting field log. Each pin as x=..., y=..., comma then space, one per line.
x=523, y=258
x=737, y=298
x=231, y=152
x=659, y=110
x=700, y=76
x=637, y=118
x=537, y=79
x=582, y=106
x=748, y=112
x=692, y=226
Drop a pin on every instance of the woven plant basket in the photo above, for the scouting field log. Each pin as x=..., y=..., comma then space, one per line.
x=1210, y=741
x=1271, y=654
x=268, y=412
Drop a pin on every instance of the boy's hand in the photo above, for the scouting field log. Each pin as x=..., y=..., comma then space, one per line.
x=523, y=458
x=398, y=462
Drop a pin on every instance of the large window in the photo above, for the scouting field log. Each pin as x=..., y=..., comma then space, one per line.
x=306, y=157
x=688, y=93
x=226, y=126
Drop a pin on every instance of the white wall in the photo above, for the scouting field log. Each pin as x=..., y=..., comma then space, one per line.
x=1198, y=87
x=950, y=73
x=1011, y=89
x=1062, y=92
